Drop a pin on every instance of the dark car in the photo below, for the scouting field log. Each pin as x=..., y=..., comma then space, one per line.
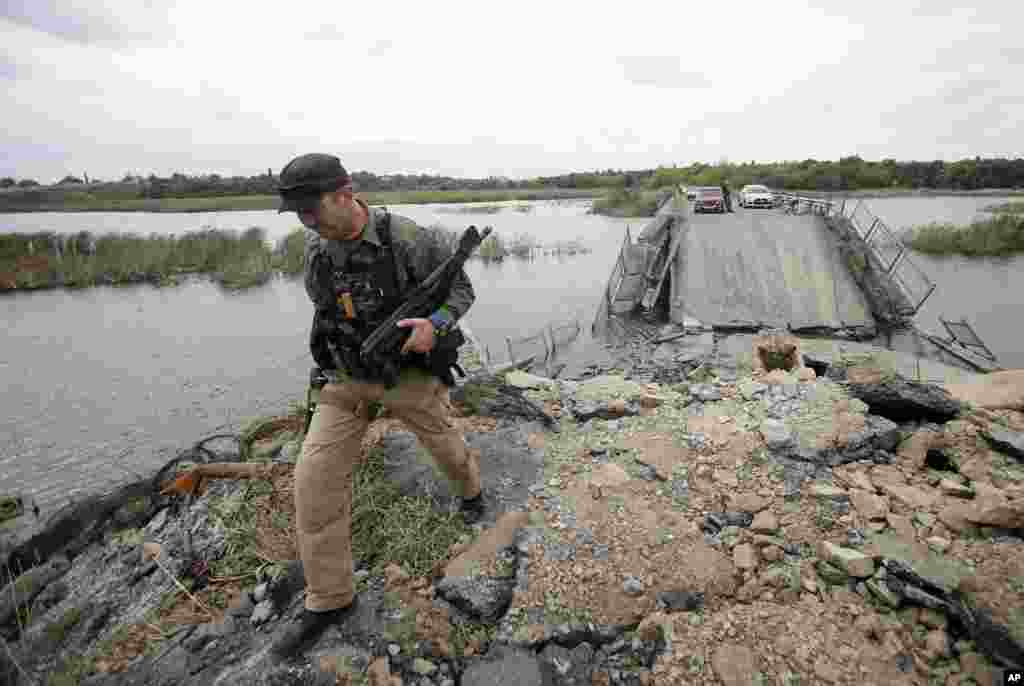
x=709, y=199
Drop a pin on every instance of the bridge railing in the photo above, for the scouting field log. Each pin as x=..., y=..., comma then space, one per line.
x=884, y=243
x=618, y=273
x=623, y=267
x=791, y=203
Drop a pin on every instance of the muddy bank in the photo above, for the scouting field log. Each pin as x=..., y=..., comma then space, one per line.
x=799, y=520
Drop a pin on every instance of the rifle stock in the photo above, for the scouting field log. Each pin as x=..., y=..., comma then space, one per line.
x=383, y=346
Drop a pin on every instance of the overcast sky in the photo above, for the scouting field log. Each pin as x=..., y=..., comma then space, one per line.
x=472, y=89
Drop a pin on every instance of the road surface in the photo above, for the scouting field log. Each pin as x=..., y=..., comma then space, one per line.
x=768, y=267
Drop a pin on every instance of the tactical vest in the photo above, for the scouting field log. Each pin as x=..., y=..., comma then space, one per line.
x=365, y=288
x=366, y=291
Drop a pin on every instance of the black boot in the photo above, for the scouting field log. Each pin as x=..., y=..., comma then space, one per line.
x=306, y=629
x=473, y=509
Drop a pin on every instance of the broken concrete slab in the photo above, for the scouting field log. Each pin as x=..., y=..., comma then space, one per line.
x=901, y=400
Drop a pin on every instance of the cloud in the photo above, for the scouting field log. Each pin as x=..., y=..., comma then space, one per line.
x=326, y=32
x=88, y=23
x=962, y=92
x=660, y=71
x=381, y=47
x=200, y=86
x=11, y=70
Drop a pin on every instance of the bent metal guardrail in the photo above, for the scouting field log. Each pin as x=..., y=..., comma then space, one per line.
x=622, y=272
x=883, y=242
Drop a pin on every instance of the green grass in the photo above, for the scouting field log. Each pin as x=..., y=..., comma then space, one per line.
x=627, y=203
x=233, y=259
x=87, y=202
x=460, y=636
x=237, y=517
x=70, y=671
x=389, y=527
x=999, y=236
x=57, y=630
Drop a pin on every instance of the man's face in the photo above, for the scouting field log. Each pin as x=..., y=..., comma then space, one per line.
x=334, y=218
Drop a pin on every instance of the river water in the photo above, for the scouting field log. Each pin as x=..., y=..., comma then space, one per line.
x=108, y=382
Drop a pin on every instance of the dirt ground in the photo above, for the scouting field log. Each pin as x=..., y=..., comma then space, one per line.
x=767, y=611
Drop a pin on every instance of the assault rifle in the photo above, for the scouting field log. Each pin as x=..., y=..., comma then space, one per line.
x=382, y=348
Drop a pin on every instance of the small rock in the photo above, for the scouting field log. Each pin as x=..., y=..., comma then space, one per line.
x=259, y=593
x=751, y=389
x=806, y=374
x=775, y=377
x=748, y=502
x=1007, y=442
x=423, y=666
x=776, y=577
x=151, y=551
x=716, y=521
x=913, y=498
x=869, y=505
x=649, y=400
x=632, y=586
x=706, y=393
x=765, y=523
x=772, y=553
x=853, y=562
x=262, y=612
x=617, y=407
x=243, y=609
x=521, y=379
x=394, y=649
x=957, y=490
x=776, y=435
x=936, y=645
x=744, y=556
x=938, y=544
x=827, y=492
x=680, y=600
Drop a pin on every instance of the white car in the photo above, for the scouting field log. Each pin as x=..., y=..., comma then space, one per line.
x=756, y=196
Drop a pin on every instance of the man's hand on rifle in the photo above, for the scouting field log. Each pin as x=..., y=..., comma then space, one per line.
x=422, y=338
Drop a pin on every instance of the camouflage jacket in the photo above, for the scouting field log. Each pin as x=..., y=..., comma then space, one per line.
x=418, y=252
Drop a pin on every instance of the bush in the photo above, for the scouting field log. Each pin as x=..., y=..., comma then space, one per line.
x=1001, y=235
x=627, y=203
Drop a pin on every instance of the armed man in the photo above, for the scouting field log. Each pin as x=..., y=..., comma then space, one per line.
x=361, y=264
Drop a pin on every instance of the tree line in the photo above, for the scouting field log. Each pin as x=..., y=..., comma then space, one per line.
x=847, y=173
x=853, y=173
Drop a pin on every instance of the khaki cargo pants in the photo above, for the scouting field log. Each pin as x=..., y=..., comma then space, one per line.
x=330, y=452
